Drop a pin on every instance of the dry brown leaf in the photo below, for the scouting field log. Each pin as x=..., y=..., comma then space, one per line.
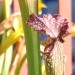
x=8, y=23
x=19, y=52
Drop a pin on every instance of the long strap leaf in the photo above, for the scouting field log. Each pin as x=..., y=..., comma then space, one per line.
x=32, y=40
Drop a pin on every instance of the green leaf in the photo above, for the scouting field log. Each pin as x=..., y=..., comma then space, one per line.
x=32, y=38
